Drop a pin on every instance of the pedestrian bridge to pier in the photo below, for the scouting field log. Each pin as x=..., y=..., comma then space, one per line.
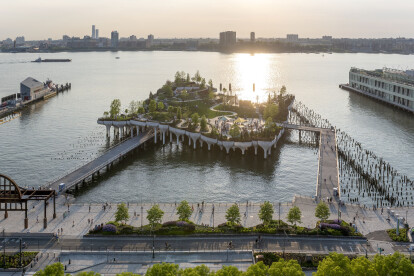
x=117, y=152
x=328, y=175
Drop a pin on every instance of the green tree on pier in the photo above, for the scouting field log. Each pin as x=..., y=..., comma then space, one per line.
x=115, y=108
x=184, y=211
x=179, y=116
x=203, y=123
x=194, y=119
x=161, y=106
x=152, y=106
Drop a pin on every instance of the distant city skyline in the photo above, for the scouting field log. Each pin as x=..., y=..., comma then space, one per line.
x=186, y=19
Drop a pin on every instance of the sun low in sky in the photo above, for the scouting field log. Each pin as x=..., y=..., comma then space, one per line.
x=184, y=18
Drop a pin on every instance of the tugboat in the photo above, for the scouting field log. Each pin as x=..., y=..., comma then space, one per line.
x=52, y=60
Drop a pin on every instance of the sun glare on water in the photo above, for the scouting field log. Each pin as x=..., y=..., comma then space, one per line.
x=254, y=69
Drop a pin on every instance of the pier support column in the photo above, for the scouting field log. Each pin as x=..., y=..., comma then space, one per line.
x=155, y=136
x=132, y=131
x=54, y=205
x=201, y=143
x=208, y=146
x=270, y=150
x=178, y=140
x=255, y=150
x=195, y=144
x=45, y=218
x=265, y=154
x=108, y=131
x=163, y=137
x=171, y=136
x=242, y=151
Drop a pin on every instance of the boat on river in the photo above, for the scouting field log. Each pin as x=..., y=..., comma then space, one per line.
x=52, y=60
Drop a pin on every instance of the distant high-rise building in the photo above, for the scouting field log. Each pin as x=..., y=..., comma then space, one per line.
x=93, y=31
x=133, y=38
x=150, y=40
x=227, y=38
x=327, y=37
x=97, y=33
x=19, y=40
x=114, y=39
x=292, y=37
x=252, y=37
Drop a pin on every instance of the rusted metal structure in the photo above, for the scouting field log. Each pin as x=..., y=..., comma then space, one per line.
x=15, y=198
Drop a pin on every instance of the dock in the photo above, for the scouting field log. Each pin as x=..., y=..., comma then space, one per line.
x=115, y=153
x=328, y=175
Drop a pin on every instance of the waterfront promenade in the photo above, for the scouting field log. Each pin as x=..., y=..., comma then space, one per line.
x=89, y=169
x=75, y=221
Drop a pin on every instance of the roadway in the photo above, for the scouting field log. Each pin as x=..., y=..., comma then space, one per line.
x=192, y=243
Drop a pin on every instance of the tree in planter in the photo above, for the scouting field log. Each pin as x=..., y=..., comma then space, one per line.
x=210, y=83
x=233, y=214
x=184, y=211
x=141, y=110
x=179, y=116
x=170, y=109
x=194, y=119
x=115, y=108
x=322, y=211
x=152, y=106
x=154, y=215
x=203, y=123
x=160, y=106
x=121, y=213
x=294, y=215
x=234, y=131
x=106, y=113
x=266, y=212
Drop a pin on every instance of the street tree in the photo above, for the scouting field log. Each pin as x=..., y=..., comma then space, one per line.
x=127, y=274
x=361, y=266
x=258, y=269
x=294, y=215
x=165, y=269
x=282, y=267
x=161, y=106
x=154, y=215
x=210, y=83
x=283, y=90
x=396, y=264
x=88, y=273
x=184, y=211
x=233, y=214
x=121, y=213
x=115, y=108
x=228, y=271
x=203, y=123
x=322, y=211
x=152, y=106
x=56, y=269
x=266, y=212
x=200, y=270
x=334, y=264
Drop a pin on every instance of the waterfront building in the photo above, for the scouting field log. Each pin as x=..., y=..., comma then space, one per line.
x=395, y=87
x=227, y=38
x=97, y=34
x=150, y=40
x=114, y=39
x=31, y=89
x=292, y=37
x=252, y=37
x=20, y=40
x=93, y=31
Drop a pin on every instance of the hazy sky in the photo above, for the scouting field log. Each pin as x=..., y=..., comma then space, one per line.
x=40, y=19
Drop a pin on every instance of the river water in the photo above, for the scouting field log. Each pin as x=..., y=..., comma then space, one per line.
x=55, y=136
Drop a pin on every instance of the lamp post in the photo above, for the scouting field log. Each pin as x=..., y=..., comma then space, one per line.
x=153, y=242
